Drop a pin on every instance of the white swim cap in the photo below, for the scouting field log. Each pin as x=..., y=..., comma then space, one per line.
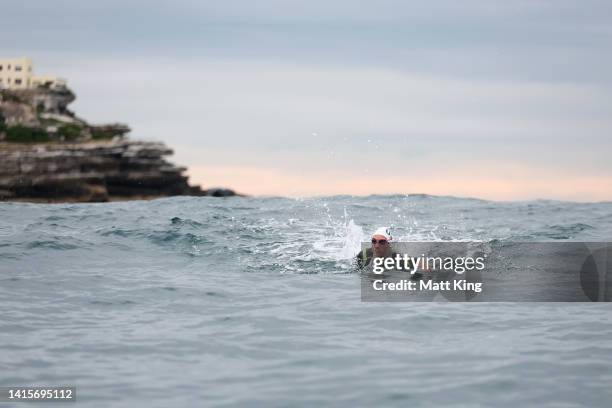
x=384, y=231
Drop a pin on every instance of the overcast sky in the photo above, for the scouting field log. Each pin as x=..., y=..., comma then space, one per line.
x=492, y=99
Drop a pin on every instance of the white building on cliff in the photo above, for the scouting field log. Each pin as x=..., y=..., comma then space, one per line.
x=16, y=73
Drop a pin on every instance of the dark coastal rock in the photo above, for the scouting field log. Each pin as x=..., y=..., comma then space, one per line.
x=92, y=171
x=49, y=154
x=219, y=192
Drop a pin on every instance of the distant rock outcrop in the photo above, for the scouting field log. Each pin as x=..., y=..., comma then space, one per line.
x=49, y=154
x=42, y=115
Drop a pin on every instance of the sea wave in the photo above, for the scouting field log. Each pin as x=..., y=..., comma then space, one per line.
x=223, y=298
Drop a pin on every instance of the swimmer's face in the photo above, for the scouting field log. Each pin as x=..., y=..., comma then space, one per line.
x=380, y=245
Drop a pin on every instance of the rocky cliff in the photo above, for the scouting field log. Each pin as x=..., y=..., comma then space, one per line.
x=49, y=154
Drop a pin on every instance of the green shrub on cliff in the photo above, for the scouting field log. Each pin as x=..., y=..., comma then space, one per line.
x=2, y=123
x=70, y=131
x=22, y=134
x=101, y=134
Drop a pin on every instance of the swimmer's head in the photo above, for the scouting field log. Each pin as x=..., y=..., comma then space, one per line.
x=380, y=242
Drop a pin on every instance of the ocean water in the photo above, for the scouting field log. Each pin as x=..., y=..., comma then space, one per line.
x=255, y=302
